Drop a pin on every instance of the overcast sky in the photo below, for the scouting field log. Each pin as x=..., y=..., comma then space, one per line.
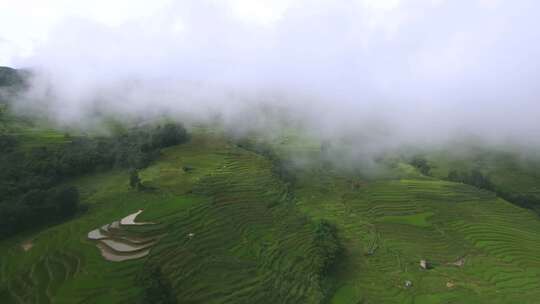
x=416, y=69
x=24, y=24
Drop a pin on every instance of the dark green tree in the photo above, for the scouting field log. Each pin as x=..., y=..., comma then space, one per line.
x=156, y=287
x=134, y=179
x=66, y=200
x=421, y=164
x=168, y=135
x=327, y=245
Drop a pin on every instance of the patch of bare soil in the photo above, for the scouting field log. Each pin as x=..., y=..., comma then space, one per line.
x=27, y=245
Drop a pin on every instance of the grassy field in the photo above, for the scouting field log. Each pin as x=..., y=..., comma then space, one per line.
x=230, y=231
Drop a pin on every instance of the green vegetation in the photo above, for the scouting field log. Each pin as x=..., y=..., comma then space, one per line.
x=229, y=232
x=241, y=222
x=156, y=288
x=28, y=175
x=511, y=176
x=419, y=219
x=421, y=164
x=328, y=246
x=134, y=179
x=38, y=207
x=482, y=248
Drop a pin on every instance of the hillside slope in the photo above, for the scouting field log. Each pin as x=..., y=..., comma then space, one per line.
x=247, y=239
x=233, y=227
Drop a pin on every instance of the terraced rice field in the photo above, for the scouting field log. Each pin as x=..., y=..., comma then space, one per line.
x=247, y=244
x=511, y=173
x=230, y=231
x=227, y=234
x=389, y=226
x=117, y=243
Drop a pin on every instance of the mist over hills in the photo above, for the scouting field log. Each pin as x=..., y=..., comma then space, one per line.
x=410, y=72
x=270, y=151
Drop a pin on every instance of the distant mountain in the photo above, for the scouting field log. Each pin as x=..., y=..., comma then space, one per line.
x=11, y=77
x=12, y=81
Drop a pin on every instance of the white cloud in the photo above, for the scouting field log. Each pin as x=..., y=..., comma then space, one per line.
x=27, y=23
x=421, y=69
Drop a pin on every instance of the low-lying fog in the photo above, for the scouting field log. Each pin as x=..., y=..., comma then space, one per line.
x=378, y=73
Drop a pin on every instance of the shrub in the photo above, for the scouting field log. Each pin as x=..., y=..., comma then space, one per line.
x=169, y=135
x=156, y=287
x=421, y=164
x=327, y=246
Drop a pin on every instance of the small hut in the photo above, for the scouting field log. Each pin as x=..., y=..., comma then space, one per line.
x=459, y=263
